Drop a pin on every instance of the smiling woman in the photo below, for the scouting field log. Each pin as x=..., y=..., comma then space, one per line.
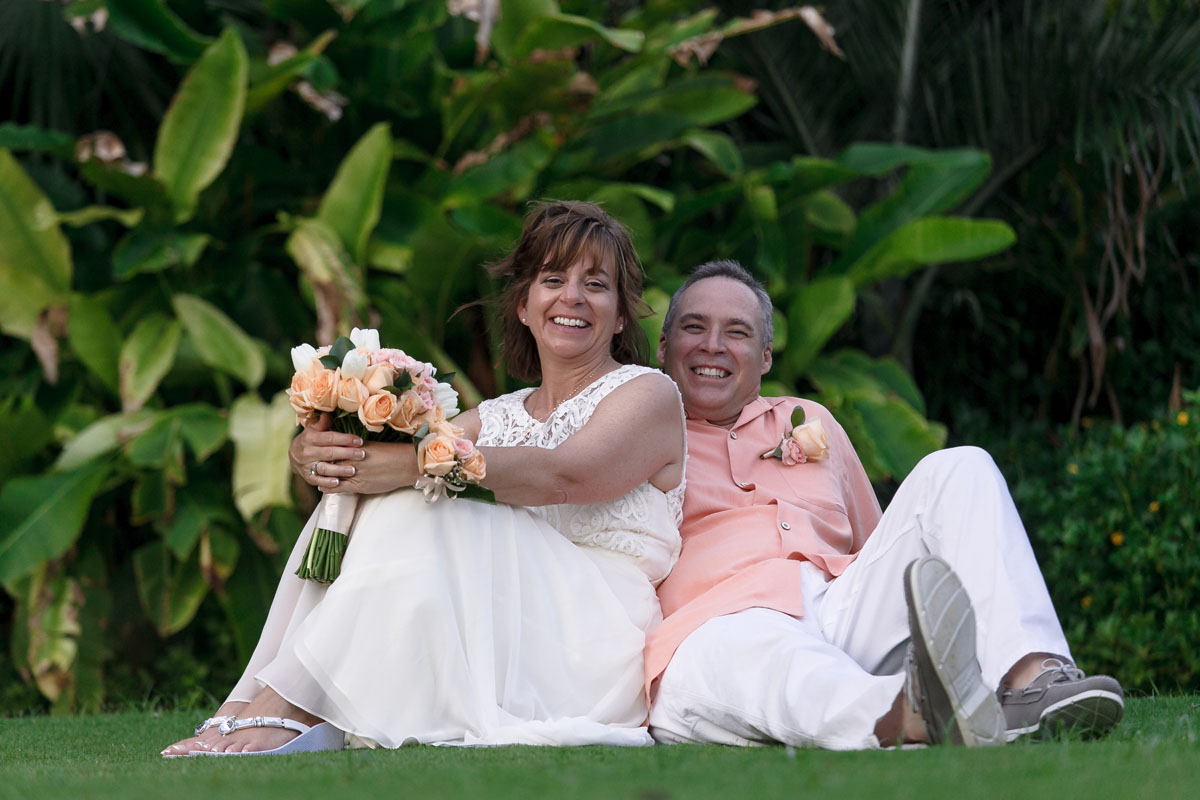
x=467, y=623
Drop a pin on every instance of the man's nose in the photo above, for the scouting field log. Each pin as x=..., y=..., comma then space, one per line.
x=712, y=341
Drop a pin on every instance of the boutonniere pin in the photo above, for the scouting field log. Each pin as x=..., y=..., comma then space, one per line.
x=805, y=442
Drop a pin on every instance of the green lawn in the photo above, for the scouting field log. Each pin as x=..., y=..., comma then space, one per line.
x=1155, y=753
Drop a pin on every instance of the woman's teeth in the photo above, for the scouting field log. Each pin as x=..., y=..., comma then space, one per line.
x=570, y=323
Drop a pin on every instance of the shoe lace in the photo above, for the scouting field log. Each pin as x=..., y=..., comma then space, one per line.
x=912, y=689
x=1066, y=671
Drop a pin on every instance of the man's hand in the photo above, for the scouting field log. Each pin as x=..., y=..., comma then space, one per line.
x=324, y=457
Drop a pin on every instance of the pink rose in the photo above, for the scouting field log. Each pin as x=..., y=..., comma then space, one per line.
x=791, y=453
x=463, y=448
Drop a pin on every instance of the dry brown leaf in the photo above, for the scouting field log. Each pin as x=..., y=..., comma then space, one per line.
x=51, y=324
x=474, y=158
x=105, y=146
x=703, y=46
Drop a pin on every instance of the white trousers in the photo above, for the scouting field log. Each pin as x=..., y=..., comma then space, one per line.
x=823, y=680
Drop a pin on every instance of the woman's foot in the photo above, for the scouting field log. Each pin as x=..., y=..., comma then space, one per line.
x=206, y=739
x=267, y=704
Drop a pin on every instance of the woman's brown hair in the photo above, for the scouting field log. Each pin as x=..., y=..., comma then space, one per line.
x=556, y=235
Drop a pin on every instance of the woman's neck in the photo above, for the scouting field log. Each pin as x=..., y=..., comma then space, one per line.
x=561, y=383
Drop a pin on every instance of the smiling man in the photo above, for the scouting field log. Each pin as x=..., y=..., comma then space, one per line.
x=799, y=613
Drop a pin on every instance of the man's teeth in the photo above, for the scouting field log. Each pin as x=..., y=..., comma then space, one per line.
x=570, y=323
x=711, y=372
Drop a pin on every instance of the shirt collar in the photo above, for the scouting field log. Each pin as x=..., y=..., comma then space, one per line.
x=751, y=411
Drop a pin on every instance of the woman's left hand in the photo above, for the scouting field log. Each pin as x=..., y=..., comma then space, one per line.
x=385, y=467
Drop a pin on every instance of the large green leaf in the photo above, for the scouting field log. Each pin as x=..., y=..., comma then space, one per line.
x=153, y=249
x=24, y=431
x=718, y=148
x=199, y=130
x=35, y=259
x=129, y=217
x=880, y=408
x=515, y=17
x=221, y=343
x=559, y=31
x=261, y=436
x=353, y=201
x=514, y=171
x=146, y=357
x=41, y=516
x=818, y=311
x=49, y=614
x=94, y=338
x=32, y=138
x=102, y=436
x=935, y=182
x=704, y=100
x=271, y=81
x=170, y=591
x=151, y=25
x=933, y=240
x=612, y=143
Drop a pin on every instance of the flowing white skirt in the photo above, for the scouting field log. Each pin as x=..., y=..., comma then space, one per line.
x=462, y=623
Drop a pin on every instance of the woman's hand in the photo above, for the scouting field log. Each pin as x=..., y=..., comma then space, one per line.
x=385, y=466
x=324, y=457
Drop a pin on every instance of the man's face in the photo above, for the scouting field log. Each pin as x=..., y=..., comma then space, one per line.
x=715, y=351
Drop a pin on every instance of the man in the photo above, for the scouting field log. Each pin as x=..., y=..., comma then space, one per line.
x=793, y=614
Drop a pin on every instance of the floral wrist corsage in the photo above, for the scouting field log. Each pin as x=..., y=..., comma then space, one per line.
x=805, y=442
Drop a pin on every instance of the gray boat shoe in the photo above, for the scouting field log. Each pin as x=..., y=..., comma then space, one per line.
x=945, y=685
x=1061, y=699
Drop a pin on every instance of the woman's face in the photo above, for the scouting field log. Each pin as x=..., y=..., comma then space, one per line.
x=573, y=312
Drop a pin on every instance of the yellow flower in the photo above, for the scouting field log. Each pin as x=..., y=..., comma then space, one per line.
x=1073, y=468
x=1086, y=602
x=1154, y=506
x=1182, y=418
x=1117, y=538
x=1086, y=422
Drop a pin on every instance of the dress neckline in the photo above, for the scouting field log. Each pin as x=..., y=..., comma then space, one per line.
x=524, y=393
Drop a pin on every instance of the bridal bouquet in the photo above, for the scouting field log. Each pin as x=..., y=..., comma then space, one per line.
x=379, y=394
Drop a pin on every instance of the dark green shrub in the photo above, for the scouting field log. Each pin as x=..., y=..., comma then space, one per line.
x=1112, y=515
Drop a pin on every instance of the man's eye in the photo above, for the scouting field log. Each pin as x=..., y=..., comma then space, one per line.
x=692, y=328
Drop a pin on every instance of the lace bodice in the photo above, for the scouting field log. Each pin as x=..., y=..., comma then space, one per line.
x=643, y=524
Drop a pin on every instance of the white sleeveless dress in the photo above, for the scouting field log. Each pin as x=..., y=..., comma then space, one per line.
x=466, y=623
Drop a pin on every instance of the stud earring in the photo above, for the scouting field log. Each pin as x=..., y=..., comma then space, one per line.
x=522, y=320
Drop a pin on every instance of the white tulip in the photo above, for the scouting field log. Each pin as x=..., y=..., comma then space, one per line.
x=355, y=364
x=365, y=339
x=445, y=396
x=302, y=357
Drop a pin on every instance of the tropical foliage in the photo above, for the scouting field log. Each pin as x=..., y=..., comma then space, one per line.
x=313, y=166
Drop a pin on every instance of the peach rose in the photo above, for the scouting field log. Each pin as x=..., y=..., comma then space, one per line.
x=352, y=393
x=377, y=411
x=811, y=438
x=379, y=376
x=324, y=390
x=410, y=413
x=444, y=427
x=300, y=393
x=474, y=469
x=435, y=455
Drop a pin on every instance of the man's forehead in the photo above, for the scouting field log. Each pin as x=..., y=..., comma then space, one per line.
x=721, y=300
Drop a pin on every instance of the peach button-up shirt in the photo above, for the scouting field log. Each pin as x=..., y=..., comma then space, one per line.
x=748, y=523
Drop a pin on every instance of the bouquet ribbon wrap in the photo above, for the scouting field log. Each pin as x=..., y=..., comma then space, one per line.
x=322, y=561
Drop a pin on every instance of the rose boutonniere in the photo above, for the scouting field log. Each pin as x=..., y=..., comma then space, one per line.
x=805, y=442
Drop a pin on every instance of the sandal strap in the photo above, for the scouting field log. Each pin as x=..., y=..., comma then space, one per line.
x=230, y=725
x=213, y=722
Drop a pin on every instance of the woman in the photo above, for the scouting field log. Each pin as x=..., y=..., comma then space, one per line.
x=461, y=622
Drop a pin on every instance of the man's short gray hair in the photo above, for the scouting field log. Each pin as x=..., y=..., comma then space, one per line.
x=727, y=268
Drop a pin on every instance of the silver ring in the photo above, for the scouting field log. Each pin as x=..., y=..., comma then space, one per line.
x=313, y=469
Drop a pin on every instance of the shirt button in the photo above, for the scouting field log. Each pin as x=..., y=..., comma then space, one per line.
x=785, y=526
x=733, y=434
